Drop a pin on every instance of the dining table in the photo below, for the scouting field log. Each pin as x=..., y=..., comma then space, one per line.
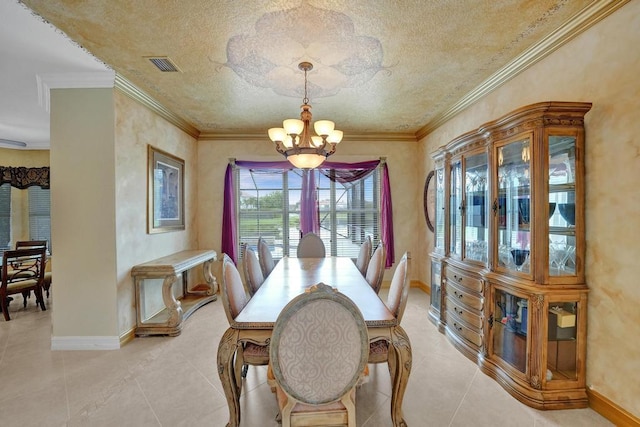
x=291, y=277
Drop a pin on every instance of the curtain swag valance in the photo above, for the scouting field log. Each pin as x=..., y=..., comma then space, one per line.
x=342, y=172
x=21, y=177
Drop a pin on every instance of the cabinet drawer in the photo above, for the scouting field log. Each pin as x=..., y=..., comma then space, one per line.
x=471, y=317
x=464, y=280
x=468, y=334
x=463, y=297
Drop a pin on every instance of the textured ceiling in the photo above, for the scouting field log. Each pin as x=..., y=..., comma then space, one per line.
x=380, y=66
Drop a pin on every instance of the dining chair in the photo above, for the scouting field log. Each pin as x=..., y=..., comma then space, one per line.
x=26, y=244
x=319, y=350
x=22, y=272
x=234, y=298
x=252, y=270
x=266, y=259
x=375, y=269
x=396, y=303
x=311, y=246
x=362, y=262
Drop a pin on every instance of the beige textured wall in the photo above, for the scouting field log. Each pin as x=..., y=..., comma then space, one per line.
x=20, y=198
x=135, y=128
x=83, y=212
x=401, y=159
x=602, y=66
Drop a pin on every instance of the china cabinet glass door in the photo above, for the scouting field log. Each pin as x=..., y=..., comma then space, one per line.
x=510, y=325
x=562, y=341
x=513, y=205
x=562, y=206
x=455, y=210
x=475, y=208
x=440, y=219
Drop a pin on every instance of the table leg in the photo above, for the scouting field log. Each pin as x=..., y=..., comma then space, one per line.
x=399, y=368
x=226, y=352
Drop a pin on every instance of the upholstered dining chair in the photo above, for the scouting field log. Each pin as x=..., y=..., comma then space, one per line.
x=22, y=272
x=375, y=269
x=396, y=303
x=362, y=262
x=26, y=244
x=234, y=298
x=266, y=259
x=311, y=246
x=319, y=350
x=252, y=270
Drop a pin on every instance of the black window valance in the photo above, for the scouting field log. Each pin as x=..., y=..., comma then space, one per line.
x=21, y=177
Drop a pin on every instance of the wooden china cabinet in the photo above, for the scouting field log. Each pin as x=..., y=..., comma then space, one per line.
x=508, y=262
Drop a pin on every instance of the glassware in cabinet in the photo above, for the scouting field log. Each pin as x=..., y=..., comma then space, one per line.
x=513, y=205
x=455, y=210
x=476, y=231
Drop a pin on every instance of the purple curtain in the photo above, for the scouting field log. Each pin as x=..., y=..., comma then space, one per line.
x=344, y=172
x=309, y=222
x=386, y=217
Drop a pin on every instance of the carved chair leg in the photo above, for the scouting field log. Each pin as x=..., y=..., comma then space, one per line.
x=25, y=295
x=4, y=302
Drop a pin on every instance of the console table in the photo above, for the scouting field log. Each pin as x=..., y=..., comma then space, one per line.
x=168, y=321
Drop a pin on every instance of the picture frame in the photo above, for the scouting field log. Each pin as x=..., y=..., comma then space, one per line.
x=430, y=201
x=165, y=192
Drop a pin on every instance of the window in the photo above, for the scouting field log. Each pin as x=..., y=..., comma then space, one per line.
x=5, y=217
x=40, y=215
x=268, y=206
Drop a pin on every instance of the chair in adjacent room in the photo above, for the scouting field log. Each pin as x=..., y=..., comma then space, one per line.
x=375, y=269
x=234, y=298
x=266, y=259
x=311, y=246
x=362, y=262
x=252, y=270
x=396, y=303
x=26, y=244
x=22, y=272
x=319, y=350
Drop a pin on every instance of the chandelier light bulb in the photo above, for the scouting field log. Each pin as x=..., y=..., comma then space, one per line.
x=324, y=127
x=335, y=137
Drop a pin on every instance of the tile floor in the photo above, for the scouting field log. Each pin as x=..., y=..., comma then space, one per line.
x=164, y=381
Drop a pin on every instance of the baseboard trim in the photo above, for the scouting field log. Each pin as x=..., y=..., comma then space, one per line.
x=421, y=285
x=127, y=337
x=85, y=343
x=611, y=411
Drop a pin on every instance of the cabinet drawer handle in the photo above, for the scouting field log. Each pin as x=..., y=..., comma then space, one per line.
x=459, y=279
x=457, y=310
x=457, y=294
x=458, y=328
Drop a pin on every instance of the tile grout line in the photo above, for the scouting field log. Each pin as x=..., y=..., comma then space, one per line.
x=146, y=399
x=453, y=417
x=66, y=387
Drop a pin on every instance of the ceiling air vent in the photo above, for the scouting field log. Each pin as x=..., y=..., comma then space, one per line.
x=163, y=64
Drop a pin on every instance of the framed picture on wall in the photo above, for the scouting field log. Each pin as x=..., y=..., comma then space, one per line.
x=165, y=193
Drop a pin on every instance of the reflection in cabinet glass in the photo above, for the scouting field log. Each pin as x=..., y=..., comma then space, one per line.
x=513, y=295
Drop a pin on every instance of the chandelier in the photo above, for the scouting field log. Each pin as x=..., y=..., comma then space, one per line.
x=294, y=139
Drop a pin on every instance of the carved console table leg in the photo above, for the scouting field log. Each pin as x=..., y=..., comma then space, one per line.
x=173, y=305
x=210, y=278
x=399, y=368
x=226, y=351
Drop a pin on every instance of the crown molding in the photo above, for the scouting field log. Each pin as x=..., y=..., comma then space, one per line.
x=92, y=79
x=253, y=137
x=580, y=22
x=135, y=93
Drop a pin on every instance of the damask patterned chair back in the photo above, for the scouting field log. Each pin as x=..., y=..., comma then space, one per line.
x=311, y=246
x=375, y=269
x=319, y=350
x=252, y=270
x=266, y=259
x=364, y=255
